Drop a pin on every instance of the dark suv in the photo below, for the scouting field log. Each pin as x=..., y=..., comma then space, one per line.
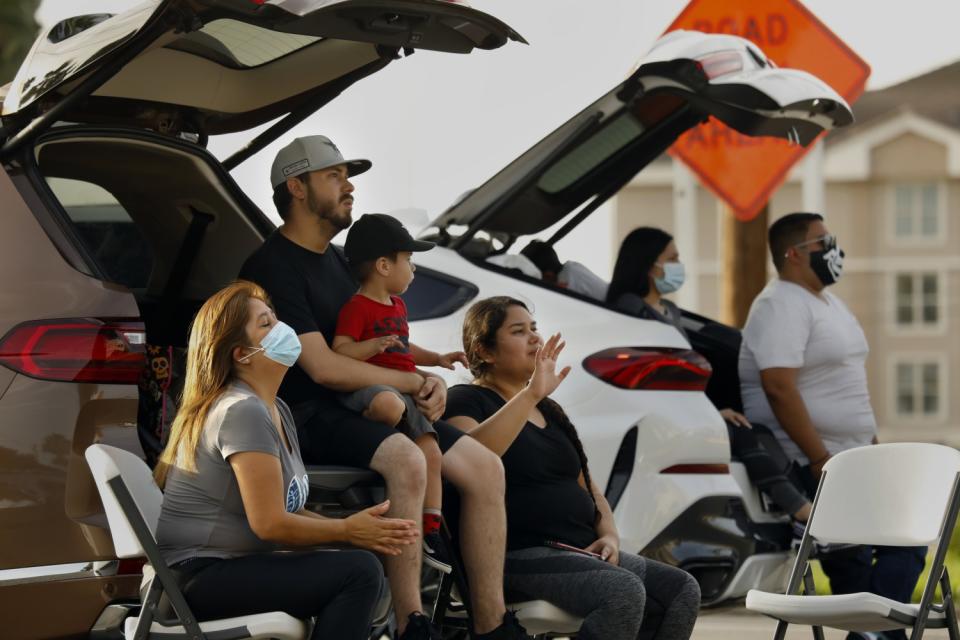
x=117, y=223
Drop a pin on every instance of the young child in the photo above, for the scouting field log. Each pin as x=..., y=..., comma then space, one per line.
x=372, y=326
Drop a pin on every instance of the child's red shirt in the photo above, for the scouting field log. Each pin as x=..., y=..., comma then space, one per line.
x=362, y=319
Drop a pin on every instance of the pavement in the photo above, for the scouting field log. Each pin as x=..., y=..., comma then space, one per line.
x=736, y=623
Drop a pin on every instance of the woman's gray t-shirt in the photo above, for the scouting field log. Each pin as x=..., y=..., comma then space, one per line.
x=202, y=513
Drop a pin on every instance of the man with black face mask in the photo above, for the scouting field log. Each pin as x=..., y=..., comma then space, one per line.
x=802, y=373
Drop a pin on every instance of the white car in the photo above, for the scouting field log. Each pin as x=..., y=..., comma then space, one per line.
x=637, y=389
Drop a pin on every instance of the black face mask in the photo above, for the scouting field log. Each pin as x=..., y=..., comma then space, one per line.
x=828, y=265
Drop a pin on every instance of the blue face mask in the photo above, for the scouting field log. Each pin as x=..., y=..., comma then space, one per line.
x=673, y=277
x=281, y=345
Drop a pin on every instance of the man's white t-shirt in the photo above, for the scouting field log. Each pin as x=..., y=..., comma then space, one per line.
x=790, y=326
x=579, y=278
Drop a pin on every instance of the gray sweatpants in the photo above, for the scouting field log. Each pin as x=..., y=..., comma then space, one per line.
x=611, y=600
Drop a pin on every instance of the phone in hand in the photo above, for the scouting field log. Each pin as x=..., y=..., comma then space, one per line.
x=566, y=547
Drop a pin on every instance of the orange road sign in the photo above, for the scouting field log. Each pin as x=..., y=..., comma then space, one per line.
x=741, y=170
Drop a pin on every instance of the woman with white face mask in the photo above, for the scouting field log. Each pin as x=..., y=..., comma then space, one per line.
x=235, y=486
x=648, y=267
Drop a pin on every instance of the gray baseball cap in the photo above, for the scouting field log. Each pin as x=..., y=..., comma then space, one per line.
x=311, y=153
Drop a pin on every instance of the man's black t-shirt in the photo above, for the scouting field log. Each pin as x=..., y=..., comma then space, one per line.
x=544, y=499
x=307, y=290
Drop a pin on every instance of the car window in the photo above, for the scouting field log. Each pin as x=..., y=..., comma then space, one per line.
x=581, y=161
x=589, y=155
x=106, y=230
x=434, y=295
x=620, y=132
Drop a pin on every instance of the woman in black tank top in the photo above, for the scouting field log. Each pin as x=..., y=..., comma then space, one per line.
x=562, y=542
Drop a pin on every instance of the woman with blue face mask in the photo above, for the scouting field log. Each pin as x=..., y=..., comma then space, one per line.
x=235, y=486
x=648, y=267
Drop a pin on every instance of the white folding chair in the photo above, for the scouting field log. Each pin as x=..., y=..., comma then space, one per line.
x=541, y=619
x=544, y=620
x=132, y=501
x=903, y=494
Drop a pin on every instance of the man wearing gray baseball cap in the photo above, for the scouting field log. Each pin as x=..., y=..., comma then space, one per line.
x=311, y=153
x=308, y=281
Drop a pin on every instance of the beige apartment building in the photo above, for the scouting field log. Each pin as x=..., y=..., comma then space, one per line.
x=891, y=194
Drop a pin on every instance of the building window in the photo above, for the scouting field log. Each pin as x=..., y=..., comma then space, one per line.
x=918, y=389
x=917, y=299
x=917, y=211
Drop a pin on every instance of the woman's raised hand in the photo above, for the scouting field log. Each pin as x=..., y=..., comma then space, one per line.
x=545, y=376
x=369, y=529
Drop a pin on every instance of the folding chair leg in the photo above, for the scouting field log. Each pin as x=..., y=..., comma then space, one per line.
x=948, y=608
x=801, y=569
x=458, y=572
x=443, y=599
x=810, y=589
x=817, y=633
x=937, y=568
x=163, y=578
x=781, y=631
x=148, y=609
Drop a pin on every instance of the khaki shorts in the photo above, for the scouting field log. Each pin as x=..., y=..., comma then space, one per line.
x=413, y=425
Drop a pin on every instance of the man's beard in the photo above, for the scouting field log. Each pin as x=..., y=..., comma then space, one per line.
x=330, y=211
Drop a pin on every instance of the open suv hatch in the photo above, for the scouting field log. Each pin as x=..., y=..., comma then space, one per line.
x=117, y=224
x=644, y=402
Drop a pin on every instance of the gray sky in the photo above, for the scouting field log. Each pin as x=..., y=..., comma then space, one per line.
x=435, y=125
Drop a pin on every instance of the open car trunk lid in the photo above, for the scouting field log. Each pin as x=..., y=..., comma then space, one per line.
x=219, y=66
x=687, y=77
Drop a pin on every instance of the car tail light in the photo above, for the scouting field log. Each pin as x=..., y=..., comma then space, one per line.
x=721, y=63
x=77, y=350
x=130, y=566
x=650, y=369
x=697, y=468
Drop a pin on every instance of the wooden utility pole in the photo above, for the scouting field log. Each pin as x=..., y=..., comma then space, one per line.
x=743, y=264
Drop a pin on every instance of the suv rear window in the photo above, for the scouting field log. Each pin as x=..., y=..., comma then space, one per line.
x=585, y=158
x=106, y=230
x=239, y=45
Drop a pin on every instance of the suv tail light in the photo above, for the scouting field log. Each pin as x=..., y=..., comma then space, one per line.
x=99, y=350
x=650, y=369
x=697, y=468
x=130, y=566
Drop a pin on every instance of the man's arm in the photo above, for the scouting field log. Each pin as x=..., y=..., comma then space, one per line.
x=780, y=386
x=432, y=397
x=330, y=369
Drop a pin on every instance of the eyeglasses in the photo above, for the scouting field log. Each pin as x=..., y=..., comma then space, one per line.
x=829, y=242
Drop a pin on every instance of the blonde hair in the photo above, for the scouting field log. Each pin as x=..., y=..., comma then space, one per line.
x=218, y=328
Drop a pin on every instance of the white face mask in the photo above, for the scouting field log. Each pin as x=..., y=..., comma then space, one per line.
x=826, y=263
x=674, y=274
x=281, y=345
